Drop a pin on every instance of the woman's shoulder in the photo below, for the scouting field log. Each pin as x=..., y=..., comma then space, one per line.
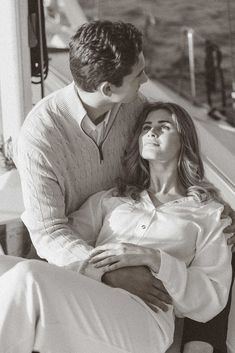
x=207, y=210
x=202, y=207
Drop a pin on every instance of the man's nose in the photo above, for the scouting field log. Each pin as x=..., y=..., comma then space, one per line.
x=143, y=78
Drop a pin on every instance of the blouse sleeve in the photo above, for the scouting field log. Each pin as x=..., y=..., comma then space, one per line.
x=200, y=291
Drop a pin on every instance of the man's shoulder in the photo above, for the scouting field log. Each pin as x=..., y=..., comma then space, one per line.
x=46, y=112
x=48, y=103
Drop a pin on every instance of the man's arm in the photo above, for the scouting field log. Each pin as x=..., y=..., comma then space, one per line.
x=44, y=216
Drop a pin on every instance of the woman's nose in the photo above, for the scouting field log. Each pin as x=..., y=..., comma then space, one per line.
x=154, y=132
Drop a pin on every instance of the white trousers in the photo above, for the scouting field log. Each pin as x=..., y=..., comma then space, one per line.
x=52, y=310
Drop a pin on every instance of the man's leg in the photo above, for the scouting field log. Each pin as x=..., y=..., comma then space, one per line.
x=213, y=333
x=48, y=309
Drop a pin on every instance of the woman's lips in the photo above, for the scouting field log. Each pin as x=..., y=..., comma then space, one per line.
x=152, y=143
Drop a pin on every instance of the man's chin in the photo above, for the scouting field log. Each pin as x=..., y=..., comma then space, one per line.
x=130, y=99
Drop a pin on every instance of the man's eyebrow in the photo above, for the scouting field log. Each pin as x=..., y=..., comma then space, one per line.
x=165, y=121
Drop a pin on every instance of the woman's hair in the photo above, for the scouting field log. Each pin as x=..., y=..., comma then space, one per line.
x=190, y=167
x=103, y=51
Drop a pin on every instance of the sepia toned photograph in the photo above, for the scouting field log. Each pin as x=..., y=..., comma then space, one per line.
x=117, y=176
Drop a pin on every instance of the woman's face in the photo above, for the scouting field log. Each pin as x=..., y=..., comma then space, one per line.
x=159, y=139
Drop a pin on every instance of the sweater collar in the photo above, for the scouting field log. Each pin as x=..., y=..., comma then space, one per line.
x=72, y=104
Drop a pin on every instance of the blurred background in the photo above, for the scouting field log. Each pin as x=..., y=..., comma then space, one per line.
x=173, y=31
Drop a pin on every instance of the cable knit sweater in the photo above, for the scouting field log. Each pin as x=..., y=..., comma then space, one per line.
x=60, y=166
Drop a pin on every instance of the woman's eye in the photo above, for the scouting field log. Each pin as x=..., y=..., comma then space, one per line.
x=145, y=128
x=165, y=127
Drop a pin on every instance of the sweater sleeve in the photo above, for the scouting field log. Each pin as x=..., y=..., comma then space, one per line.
x=44, y=198
x=200, y=291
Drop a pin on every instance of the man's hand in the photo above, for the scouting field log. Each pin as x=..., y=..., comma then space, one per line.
x=228, y=211
x=139, y=281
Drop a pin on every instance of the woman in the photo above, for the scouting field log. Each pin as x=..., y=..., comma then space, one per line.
x=162, y=215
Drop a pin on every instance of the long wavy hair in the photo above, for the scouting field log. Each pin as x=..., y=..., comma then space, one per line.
x=190, y=167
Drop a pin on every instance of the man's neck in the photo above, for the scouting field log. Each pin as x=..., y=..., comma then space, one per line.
x=95, y=105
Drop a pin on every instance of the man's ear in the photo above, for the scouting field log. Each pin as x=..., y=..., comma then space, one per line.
x=106, y=89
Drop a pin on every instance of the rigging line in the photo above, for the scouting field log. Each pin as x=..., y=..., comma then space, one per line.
x=231, y=39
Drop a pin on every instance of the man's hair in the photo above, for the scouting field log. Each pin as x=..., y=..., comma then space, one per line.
x=103, y=51
x=190, y=166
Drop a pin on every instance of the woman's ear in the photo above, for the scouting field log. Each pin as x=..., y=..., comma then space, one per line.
x=106, y=89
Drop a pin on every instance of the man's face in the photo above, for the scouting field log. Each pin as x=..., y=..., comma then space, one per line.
x=128, y=91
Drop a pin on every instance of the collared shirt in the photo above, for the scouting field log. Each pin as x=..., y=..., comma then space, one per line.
x=99, y=132
x=195, y=259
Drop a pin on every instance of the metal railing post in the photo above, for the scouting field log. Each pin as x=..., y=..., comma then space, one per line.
x=190, y=38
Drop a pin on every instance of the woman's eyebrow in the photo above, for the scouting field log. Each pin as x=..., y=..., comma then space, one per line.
x=165, y=121
x=160, y=122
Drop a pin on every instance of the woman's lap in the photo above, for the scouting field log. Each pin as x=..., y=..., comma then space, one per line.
x=78, y=314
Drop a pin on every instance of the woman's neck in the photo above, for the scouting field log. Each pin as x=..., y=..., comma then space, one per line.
x=164, y=181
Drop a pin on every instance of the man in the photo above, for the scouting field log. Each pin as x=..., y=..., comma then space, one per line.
x=71, y=145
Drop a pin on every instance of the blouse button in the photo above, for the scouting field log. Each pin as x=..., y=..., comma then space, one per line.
x=143, y=226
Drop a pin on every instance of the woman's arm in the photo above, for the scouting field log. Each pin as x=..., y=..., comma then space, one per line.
x=200, y=291
x=112, y=256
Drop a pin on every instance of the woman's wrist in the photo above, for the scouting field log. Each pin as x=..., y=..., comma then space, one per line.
x=154, y=260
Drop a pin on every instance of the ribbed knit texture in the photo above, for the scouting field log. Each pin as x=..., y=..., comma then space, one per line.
x=60, y=167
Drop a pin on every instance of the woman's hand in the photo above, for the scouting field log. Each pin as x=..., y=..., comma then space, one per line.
x=229, y=212
x=110, y=257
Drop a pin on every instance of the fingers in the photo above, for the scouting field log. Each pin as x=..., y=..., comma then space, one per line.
x=230, y=229
x=231, y=240
x=100, y=256
x=96, y=252
x=108, y=261
x=226, y=211
x=160, y=291
x=153, y=307
x=162, y=296
x=157, y=302
x=102, y=248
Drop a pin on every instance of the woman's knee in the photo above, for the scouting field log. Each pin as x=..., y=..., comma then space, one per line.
x=29, y=269
x=8, y=263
